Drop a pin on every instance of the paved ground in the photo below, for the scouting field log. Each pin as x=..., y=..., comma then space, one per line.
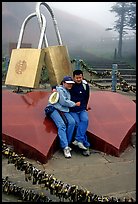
x=99, y=173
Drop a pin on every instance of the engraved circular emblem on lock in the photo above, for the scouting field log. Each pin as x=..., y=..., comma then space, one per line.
x=20, y=66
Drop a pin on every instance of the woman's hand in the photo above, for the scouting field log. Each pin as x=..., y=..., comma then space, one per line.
x=54, y=90
x=78, y=103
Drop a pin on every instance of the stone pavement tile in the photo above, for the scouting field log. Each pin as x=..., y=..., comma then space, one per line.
x=111, y=184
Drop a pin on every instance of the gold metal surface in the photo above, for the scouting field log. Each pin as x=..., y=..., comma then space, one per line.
x=58, y=63
x=25, y=67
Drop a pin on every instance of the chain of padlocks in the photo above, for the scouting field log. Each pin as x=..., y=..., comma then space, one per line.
x=124, y=86
x=56, y=187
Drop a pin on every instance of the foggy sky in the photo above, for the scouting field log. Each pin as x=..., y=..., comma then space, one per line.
x=83, y=32
x=95, y=11
x=98, y=12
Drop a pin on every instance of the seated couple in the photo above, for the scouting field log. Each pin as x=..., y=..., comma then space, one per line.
x=70, y=113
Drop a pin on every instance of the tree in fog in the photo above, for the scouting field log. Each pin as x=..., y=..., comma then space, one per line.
x=126, y=20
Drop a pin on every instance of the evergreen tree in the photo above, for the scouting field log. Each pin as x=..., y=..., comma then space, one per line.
x=126, y=20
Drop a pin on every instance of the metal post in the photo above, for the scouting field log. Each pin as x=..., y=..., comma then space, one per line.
x=7, y=60
x=114, y=76
x=77, y=64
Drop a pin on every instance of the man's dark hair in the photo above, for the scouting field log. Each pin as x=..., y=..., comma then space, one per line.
x=77, y=72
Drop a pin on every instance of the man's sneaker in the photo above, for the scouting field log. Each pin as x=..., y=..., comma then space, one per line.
x=86, y=152
x=79, y=144
x=67, y=153
x=75, y=142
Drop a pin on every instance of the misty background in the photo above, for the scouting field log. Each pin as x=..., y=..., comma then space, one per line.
x=85, y=37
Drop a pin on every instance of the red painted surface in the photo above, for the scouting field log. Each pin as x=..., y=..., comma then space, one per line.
x=24, y=125
x=112, y=119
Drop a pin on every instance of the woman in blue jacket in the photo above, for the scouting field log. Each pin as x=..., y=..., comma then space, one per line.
x=65, y=131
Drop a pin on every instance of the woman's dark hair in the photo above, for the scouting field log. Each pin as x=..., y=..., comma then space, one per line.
x=77, y=72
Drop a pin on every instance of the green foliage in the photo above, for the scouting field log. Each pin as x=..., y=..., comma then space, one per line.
x=4, y=71
x=126, y=16
x=131, y=21
x=44, y=76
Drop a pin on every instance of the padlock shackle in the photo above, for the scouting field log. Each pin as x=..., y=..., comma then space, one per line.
x=23, y=28
x=38, y=4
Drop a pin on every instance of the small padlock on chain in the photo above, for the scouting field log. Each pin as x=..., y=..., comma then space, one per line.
x=26, y=63
x=57, y=58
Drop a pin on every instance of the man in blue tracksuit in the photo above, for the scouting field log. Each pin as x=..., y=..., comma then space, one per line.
x=80, y=92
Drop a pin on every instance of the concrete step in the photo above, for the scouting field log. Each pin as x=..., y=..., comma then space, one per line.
x=122, y=71
x=129, y=76
x=127, y=71
x=103, y=80
x=110, y=84
x=126, y=77
x=105, y=66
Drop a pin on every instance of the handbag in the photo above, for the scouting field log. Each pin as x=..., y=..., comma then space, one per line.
x=49, y=110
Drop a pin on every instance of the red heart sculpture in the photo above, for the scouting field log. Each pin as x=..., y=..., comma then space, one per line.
x=112, y=119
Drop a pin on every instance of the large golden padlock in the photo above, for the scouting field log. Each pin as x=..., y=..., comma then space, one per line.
x=57, y=58
x=26, y=63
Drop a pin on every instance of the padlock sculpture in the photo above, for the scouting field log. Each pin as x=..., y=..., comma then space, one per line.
x=57, y=58
x=26, y=63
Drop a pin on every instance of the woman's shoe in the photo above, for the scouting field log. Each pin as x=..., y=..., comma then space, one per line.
x=67, y=153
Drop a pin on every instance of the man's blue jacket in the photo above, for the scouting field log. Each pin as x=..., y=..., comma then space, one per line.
x=80, y=92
